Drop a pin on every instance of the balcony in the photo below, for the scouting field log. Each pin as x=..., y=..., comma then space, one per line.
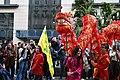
x=9, y=6
x=34, y=34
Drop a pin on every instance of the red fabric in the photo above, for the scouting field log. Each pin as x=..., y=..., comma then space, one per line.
x=61, y=7
x=95, y=41
x=89, y=34
x=56, y=7
x=65, y=29
x=101, y=71
x=38, y=61
x=112, y=31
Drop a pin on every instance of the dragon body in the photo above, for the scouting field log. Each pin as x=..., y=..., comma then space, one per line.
x=89, y=34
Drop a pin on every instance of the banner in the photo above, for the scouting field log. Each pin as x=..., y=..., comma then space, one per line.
x=43, y=42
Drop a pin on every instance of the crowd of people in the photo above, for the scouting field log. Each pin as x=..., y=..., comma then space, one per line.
x=31, y=62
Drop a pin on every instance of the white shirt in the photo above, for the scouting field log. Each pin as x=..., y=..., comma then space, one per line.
x=113, y=55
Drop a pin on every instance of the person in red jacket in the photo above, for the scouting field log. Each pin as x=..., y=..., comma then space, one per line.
x=101, y=64
x=38, y=61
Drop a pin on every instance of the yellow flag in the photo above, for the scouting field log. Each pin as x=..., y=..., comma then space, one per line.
x=43, y=42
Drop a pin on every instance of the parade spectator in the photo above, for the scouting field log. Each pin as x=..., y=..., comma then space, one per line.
x=74, y=65
x=87, y=67
x=23, y=62
x=32, y=44
x=17, y=56
x=62, y=55
x=59, y=38
x=55, y=44
x=10, y=59
x=118, y=53
x=38, y=62
x=4, y=74
x=1, y=53
x=46, y=71
x=54, y=48
x=53, y=54
x=101, y=63
x=32, y=51
x=64, y=63
x=113, y=71
x=58, y=55
x=118, y=59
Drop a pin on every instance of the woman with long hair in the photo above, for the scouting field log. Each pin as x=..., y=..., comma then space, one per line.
x=74, y=64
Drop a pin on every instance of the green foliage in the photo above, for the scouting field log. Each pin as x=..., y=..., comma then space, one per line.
x=81, y=8
x=107, y=14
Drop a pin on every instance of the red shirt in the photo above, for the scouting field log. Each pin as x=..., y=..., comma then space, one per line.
x=38, y=61
x=101, y=69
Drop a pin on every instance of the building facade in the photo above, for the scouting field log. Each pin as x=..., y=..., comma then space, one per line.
x=22, y=20
x=13, y=16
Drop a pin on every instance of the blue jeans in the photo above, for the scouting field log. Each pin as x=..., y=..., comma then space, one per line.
x=4, y=75
x=22, y=71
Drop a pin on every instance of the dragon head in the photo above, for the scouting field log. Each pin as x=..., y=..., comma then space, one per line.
x=63, y=21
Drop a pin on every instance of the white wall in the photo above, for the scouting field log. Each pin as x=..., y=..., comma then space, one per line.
x=20, y=16
x=67, y=5
x=1, y=1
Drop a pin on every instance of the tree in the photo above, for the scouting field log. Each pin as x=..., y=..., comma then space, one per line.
x=108, y=13
x=81, y=8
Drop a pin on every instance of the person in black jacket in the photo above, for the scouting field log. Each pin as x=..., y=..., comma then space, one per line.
x=62, y=56
x=46, y=68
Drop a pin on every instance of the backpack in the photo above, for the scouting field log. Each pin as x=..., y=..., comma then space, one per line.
x=45, y=66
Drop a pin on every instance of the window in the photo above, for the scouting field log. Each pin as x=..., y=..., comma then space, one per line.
x=6, y=20
x=54, y=1
x=6, y=1
x=45, y=1
x=58, y=2
x=6, y=25
x=37, y=2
